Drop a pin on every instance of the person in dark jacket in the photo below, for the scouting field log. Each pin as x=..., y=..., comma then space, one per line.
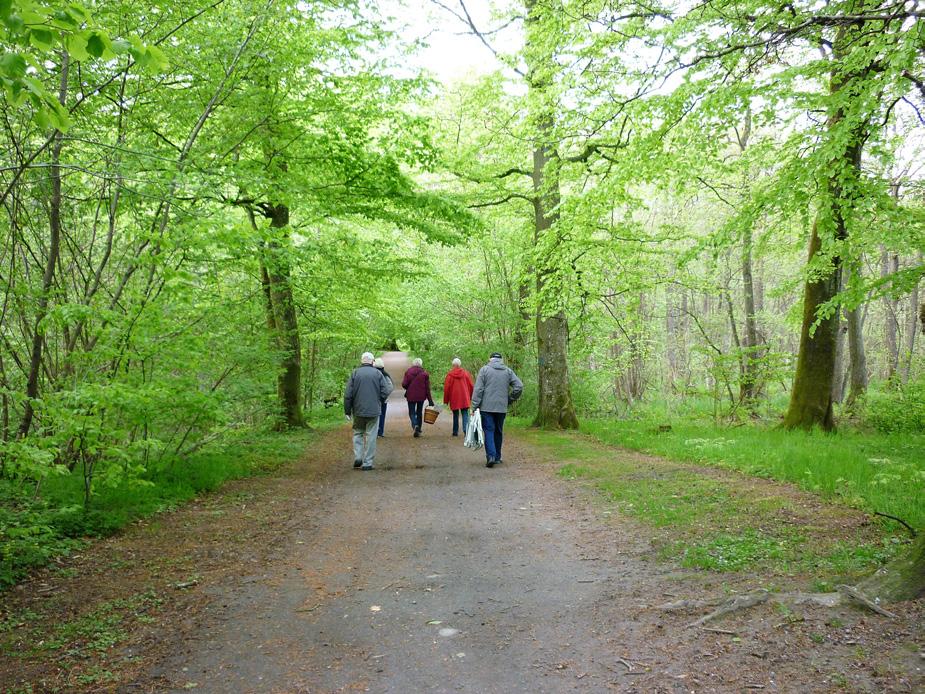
x=380, y=365
x=496, y=387
x=366, y=389
x=457, y=393
x=417, y=389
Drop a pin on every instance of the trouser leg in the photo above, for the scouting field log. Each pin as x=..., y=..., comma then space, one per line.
x=385, y=406
x=456, y=423
x=411, y=414
x=499, y=432
x=465, y=422
x=418, y=414
x=358, y=435
x=488, y=428
x=370, y=434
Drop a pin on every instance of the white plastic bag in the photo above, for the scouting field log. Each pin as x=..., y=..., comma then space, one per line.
x=475, y=437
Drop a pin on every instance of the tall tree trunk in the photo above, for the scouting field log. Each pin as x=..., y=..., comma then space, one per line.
x=749, y=386
x=911, y=329
x=555, y=408
x=289, y=380
x=282, y=322
x=857, y=356
x=811, y=395
x=48, y=277
x=889, y=264
x=838, y=382
x=674, y=339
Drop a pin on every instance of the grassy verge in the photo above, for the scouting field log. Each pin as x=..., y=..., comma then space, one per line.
x=869, y=471
x=716, y=520
x=34, y=529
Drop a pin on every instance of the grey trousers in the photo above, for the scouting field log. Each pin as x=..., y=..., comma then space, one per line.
x=364, y=439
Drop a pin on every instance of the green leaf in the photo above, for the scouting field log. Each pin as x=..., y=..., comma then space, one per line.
x=44, y=122
x=76, y=45
x=42, y=39
x=6, y=7
x=95, y=45
x=13, y=65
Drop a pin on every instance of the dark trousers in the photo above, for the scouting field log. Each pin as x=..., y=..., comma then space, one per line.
x=416, y=414
x=385, y=406
x=493, y=428
x=457, y=415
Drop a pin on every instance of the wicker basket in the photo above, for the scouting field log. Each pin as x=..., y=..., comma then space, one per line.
x=430, y=415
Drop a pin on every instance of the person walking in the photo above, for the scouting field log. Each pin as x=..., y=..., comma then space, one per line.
x=366, y=390
x=417, y=389
x=380, y=365
x=496, y=387
x=457, y=393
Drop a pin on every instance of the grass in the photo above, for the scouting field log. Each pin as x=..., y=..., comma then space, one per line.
x=35, y=529
x=715, y=520
x=869, y=471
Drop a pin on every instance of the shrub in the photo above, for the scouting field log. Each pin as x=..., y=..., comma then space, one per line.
x=897, y=411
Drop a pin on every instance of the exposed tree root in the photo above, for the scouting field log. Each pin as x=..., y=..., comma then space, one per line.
x=749, y=600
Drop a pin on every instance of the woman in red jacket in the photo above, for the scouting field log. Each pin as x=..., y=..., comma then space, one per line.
x=457, y=393
x=417, y=389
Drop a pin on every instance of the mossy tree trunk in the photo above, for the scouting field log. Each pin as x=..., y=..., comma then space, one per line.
x=811, y=395
x=282, y=321
x=555, y=408
x=901, y=579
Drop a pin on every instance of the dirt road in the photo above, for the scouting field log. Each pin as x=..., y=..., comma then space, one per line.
x=430, y=574
x=435, y=574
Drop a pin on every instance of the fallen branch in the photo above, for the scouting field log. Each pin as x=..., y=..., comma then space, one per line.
x=733, y=604
x=748, y=600
x=908, y=527
x=857, y=595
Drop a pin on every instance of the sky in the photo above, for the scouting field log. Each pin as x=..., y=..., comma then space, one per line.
x=452, y=52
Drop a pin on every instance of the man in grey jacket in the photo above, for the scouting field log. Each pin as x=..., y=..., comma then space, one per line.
x=366, y=390
x=496, y=387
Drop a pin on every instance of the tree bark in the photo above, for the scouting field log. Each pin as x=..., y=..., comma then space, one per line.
x=901, y=579
x=838, y=382
x=48, y=277
x=857, y=356
x=889, y=264
x=554, y=408
x=911, y=329
x=811, y=395
x=289, y=379
x=282, y=321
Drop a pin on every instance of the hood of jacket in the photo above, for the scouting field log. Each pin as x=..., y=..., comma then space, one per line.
x=496, y=363
x=456, y=372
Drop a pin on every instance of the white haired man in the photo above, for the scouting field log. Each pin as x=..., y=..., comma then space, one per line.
x=363, y=396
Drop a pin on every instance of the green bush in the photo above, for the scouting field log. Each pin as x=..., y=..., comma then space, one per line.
x=28, y=537
x=897, y=411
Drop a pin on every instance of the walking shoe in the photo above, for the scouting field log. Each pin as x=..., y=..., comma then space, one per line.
x=491, y=462
x=367, y=467
x=498, y=461
x=417, y=432
x=357, y=463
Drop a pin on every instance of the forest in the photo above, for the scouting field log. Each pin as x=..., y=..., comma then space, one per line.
x=695, y=229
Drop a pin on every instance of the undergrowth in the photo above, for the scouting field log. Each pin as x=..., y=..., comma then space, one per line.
x=38, y=525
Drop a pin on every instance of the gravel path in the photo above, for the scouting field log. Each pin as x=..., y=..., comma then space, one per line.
x=435, y=574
